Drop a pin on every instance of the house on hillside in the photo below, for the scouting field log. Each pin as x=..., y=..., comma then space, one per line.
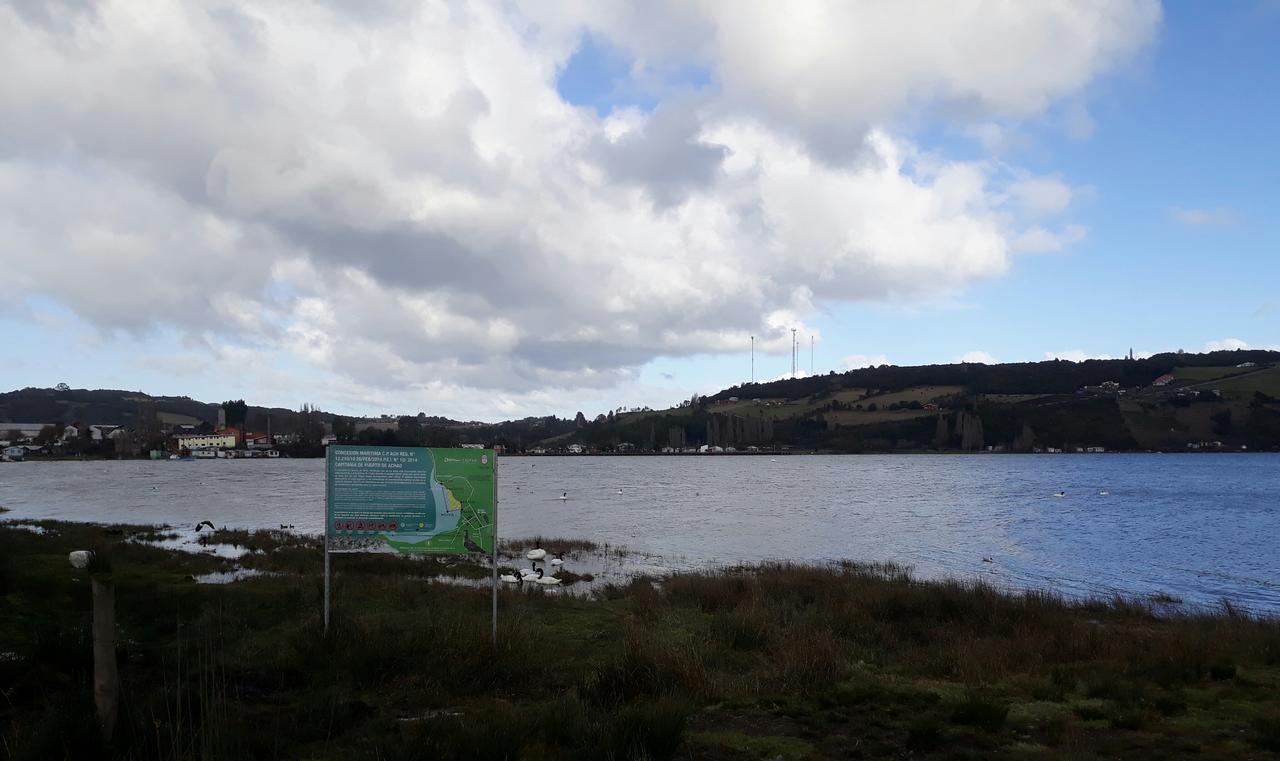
x=257, y=440
x=100, y=432
x=1163, y=380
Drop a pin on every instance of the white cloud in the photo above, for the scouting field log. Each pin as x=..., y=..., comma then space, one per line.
x=1037, y=240
x=1236, y=344
x=856, y=361
x=398, y=195
x=1078, y=122
x=978, y=357
x=1075, y=355
x=1204, y=217
x=1042, y=195
x=827, y=70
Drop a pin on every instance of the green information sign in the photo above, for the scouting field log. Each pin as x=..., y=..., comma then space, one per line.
x=411, y=499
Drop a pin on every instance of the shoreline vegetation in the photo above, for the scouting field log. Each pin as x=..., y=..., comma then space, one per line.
x=774, y=661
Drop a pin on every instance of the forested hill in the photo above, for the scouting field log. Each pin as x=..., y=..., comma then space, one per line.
x=113, y=407
x=1226, y=400
x=1049, y=377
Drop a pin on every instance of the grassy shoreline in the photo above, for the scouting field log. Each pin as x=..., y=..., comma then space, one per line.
x=774, y=661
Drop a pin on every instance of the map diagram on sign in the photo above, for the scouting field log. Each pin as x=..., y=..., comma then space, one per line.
x=410, y=499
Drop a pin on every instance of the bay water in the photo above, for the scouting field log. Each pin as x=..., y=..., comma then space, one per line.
x=1196, y=527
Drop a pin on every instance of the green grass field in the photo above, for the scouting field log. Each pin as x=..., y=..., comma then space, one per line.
x=1208, y=373
x=864, y=417
x=778, y=661
x=1243, y=387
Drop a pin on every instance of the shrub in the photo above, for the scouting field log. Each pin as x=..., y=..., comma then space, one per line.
x=981, y=711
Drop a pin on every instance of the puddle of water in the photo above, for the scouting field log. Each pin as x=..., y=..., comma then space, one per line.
x=33, y=528
x=227, y=577
x=188, y=540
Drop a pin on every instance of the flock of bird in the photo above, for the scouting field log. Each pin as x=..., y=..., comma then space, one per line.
x=535, y=575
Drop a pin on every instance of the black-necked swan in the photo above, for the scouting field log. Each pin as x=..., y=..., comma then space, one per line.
x=564, y=496
x=546, y=580
x=558, y=559
x=1060, y=494
x=536, y=554
x=510, y=578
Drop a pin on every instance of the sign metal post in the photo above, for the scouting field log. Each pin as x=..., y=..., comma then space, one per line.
x=495, y=549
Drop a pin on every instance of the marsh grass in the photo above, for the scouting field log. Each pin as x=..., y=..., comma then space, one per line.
x=845, y=660
x=552, y=544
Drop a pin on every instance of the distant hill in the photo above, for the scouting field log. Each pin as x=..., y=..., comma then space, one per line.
x=1218, y=399
x=110, y=407
x=1225, y=400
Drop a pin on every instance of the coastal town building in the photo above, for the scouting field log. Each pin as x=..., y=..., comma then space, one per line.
x=257, y=441
x=224, y=440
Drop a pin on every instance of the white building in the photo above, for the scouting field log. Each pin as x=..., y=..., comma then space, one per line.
x=207, y=441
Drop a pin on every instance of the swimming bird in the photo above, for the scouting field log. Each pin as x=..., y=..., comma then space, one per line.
x=546, y=581
x=529, y=574
x=510, y=578
x=558, y=559
x=988, y=560
x=202, y=524
x=564, y=496
x=470, y=545
x=1103, y=493
x=1060, y=494
x=536, y=554
x=619, y=491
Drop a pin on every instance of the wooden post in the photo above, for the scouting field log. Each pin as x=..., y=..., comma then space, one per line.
x=106, y=679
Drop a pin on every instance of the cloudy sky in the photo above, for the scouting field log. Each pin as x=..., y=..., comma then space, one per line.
x=488, y=210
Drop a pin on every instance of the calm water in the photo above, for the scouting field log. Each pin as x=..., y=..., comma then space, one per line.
x=1198, y=527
